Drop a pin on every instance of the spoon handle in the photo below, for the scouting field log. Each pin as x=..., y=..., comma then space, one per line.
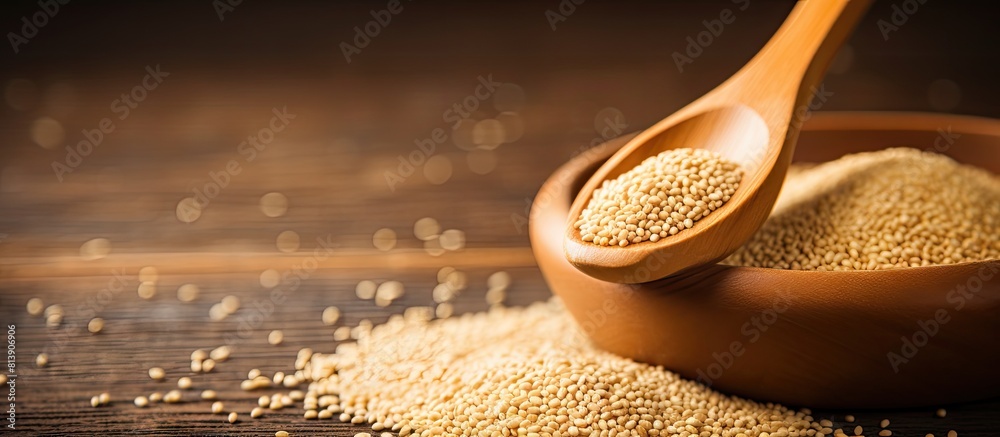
x=796, y=57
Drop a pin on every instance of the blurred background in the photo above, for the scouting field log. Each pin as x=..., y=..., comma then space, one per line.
x=223, y=141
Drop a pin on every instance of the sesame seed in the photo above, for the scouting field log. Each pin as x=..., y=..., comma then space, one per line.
x=663, y=195
x=330, y=315
x=217, y=407
x=365, y=289
x=885, y=433
x=849, y=418
x=105, y=398
x=884, y=423
x=209, y=395
x=35, y=306
x=141, y=401
x=184, y=383
x=941, y=412
x=146, y=290
x=952, y=433
x=95, y=325
x=172, y=397
x=230, y=304
x=208, y=365
x=281, y=434
x=310, y=414
x=155, y=397
x=220, y=353
x=232, y=417
x=858, y=430
x=946, y=215
x=444, y=310
x=187, y=293
x=256, y=412
x=42, y=360
x=275, y=337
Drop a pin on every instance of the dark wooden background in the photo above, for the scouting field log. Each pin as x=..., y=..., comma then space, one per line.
x=607, y=60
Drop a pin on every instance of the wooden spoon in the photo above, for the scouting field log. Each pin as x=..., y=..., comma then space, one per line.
x=752, y=119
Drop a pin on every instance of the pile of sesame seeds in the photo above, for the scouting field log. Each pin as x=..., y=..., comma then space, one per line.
x=521, y=371
x=663, y=195
x=881, y=210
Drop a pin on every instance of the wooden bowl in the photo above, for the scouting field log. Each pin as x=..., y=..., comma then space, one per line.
x=891, y=338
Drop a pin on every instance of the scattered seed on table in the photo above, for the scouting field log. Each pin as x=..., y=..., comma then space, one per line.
x=141, y=401
x=35, y=306
x=264, y=401
x=365, y=289
x=148, y=274
x=42, y=360
x=452, y=239
x=499, y=280
x=281, y=434
x=3, y=379
x=457, y=280
x=310, y=414
x=384, y=239
x=952, y=433
x=184, y=383
x=95, y=325
x=941, y=412
x=146, y=290
x=95, y=401
x=253, y=373
x=444, y=310
x=105, y=398
x=275, y=337
x=157, y=373
x=230, y=304
x=217, y=407
x=342, y=333
x=220, y=353
x=256, y=412
x=330, y=315
x=324, y=415
x=443, y=293
x=216, y=313
x=287, y=241
x=232, y=417
x=362, y=434
x=155, y=397
x=858, y=430
x=199, y=355
x=884, y=423
x=208, y=365
x=426, y=228
x=196, y=366
x=54, y=320
x=496, y=296
x=885, y=433
x=172, y=397
x=187, y=292
x=208, y=395
x=849, y=418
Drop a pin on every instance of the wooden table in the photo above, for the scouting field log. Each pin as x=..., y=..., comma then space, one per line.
x=351, y=124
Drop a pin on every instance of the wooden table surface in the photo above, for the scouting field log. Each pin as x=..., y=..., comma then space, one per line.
x=351, y=124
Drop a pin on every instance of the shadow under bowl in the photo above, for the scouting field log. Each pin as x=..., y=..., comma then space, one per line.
x=860, y=339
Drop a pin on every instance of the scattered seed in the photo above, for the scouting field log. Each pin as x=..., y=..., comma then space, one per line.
x=330, y=315
x=452, y=239
x=274, y=204
x=498, y=280
x=270, y=278
x=941, y=412
x=54, y=320
x=256, y=412
x=281, y=434
x=95, y=325
x=217, y=407
x=858, y=430
x=324, y=415
x=444, y=310
x=187, y=292
x=141, y=401
x=230, y=304
x=105, y=398
x=287, y=241
x=148, y=274
x=849, y=418
x=35, y=306
x=208, y=365
x=496, y=296
x=146, y=290
x=184, y=383
x=384, y=239
x=3, y=379
x=42, y=360
x=209, y=395
x=232, y=417
x=952, y=433
x=884, y=423
x=155, y=397
x=199, y=355
x=196, y=366
x=310, y=414
x=275, y=337
x=426, y=229
x=217, y=313
x=389, y=290
x=342, y=333
x=443, y=293
x=885, y=433
x=53, y=310
x=253, y=373
x=172, y=397
x=95, y=401
x=220, y=353
x=365, y=289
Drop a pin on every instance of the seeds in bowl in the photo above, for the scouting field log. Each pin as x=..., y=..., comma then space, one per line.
x=889, y=209
x=663, y=195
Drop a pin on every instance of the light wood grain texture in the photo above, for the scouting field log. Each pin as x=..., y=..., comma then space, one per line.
x=752, y=119
x=830, y=334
